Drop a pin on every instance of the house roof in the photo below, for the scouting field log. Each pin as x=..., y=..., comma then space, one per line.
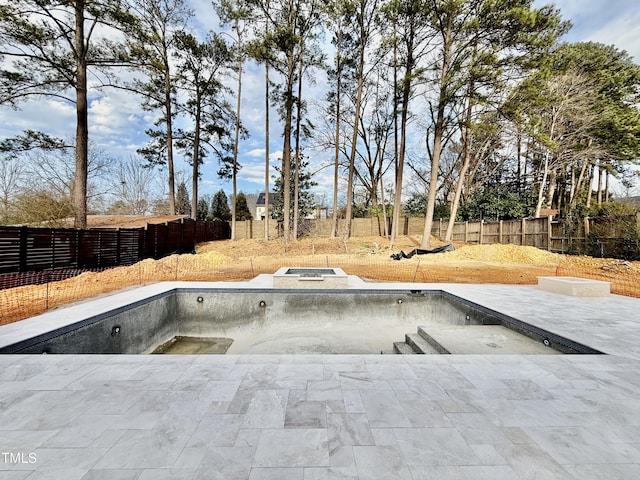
x=273, y=197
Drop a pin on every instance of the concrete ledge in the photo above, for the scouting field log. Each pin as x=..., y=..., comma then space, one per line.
x=575, y=287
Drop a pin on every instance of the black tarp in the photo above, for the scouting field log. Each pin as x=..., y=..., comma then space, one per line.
x=418, y=251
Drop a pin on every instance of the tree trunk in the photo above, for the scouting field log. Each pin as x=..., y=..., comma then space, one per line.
x=169, y=113
x=334, y=220
x=82, y=126
x=394, y=219
x=576, y=182
x=234, y=176
x=296, y=175
x=286, y=150
x=553, y=183
x=196, y=162
x=266, y=155
x=384, y=209
x=545, y=173
x=589, y=185
x=354, y=137
x=547, y=158
x=600, y=174
x=406, y=93
x=519, y=176
x=437, y=141
x=465, y=163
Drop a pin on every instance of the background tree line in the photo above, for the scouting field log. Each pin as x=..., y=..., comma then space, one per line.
x=442, y=108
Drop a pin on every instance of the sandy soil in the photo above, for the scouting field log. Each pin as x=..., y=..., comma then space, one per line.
x=368, y=257
x=125, y=221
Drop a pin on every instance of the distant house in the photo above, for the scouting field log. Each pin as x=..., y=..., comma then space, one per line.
x=319, y=212
x=252, y=200
x=260, y=208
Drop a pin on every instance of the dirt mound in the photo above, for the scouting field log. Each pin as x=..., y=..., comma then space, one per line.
x=502, y=254
x=310, y=246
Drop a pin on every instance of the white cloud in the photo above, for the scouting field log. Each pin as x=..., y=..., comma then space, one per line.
x=611, y=23
x=623, y=32
x=253, y=174
x=108, y=118
x=48, y=115
x=277, y=155
x=257, y=152
x=205, y=17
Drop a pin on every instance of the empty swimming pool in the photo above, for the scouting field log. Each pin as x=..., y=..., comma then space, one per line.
x=266, y=321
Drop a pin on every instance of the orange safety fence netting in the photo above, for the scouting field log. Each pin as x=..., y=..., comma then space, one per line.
x=25, y=301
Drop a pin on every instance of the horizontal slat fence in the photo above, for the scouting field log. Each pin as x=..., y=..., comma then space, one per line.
x=28, y=250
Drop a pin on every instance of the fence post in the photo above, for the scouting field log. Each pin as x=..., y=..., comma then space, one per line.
x=481, y=231
x=147, y=243
x=549, y=228
x=22, y=260
x=415, y=273
x=118, y=245
x=466, y=232
x=523, y=233
x=77, y=240
x=166, y=243
x=181, y=241
x=195, y=235
x=500, y=232
x=52, y=240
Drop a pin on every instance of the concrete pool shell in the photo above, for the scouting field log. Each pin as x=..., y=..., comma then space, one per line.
x=303, y=320
x=301, y=417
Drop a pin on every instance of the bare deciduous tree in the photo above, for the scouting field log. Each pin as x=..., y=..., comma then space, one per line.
x=132, y=186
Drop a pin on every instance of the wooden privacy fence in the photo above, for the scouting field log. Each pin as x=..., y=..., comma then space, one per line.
x=533, y=232
x=597, y=236
x=28, y=249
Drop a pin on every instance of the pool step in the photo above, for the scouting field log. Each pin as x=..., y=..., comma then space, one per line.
x=419, y=343
x=432, y=342
x=402, y=348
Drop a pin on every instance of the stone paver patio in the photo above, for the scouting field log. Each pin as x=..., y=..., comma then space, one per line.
x=362, y=417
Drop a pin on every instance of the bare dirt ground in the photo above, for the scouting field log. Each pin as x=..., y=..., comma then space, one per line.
x=368, y=257
x=125, y=221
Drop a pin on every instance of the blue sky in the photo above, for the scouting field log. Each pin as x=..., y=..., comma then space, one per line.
x=118, y=123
